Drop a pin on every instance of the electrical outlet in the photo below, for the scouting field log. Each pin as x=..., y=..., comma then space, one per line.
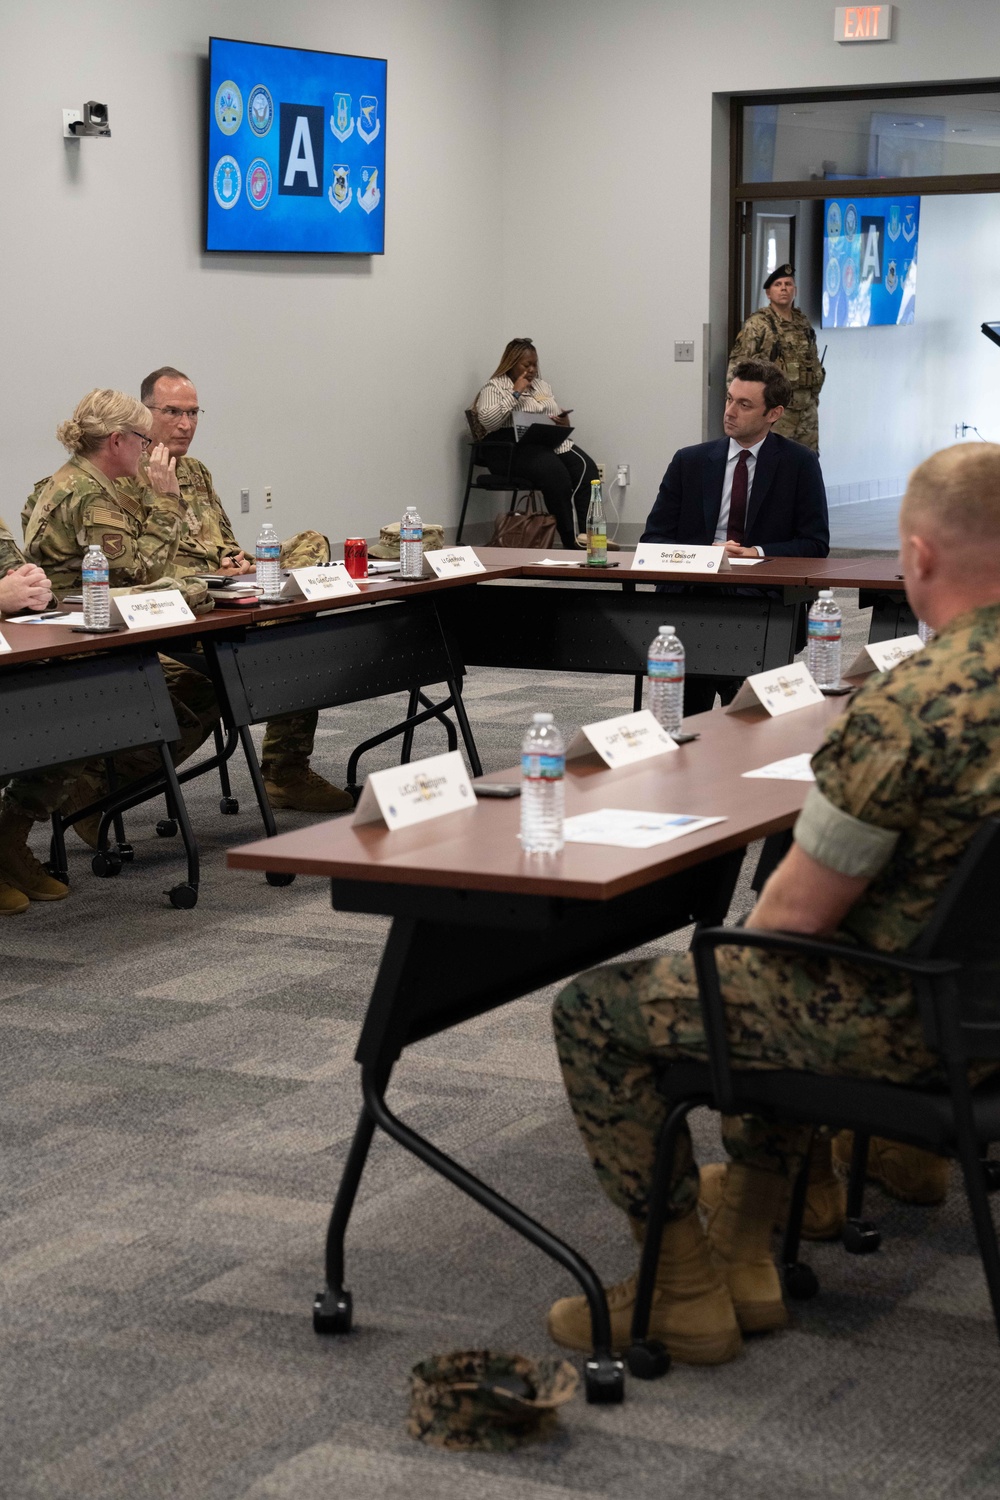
x=624, y=478
x=267, y=497
x=244, y=502
x=684, y=353
x=600, y=472
x=961, y=428
x=70, y=116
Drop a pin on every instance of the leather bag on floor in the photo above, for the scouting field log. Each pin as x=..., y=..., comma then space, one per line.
x=531, y=526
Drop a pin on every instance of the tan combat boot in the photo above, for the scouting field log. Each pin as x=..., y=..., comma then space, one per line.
x=12, y=901
x=294, y=785
x=692, y=1313
x=739, y=1233
x=906, y=1172
x=826, y=1200
x=18, y=866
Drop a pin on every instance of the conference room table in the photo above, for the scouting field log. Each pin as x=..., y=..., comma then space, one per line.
x=476, y=923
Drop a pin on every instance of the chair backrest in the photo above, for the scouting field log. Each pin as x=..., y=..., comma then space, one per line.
x=475, y=427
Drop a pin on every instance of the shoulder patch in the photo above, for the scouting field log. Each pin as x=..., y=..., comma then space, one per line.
x=113, y=545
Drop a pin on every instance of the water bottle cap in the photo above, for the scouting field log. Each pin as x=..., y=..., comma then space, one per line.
x=826, y=593
x=541, y=718
x=665, y=630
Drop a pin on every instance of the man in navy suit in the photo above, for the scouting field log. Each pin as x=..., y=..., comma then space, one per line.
x=755, y=492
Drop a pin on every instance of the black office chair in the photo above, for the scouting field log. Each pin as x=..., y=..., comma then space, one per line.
x=492, y=483
x=955, y=968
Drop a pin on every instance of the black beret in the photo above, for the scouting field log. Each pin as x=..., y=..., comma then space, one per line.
x=778, y=273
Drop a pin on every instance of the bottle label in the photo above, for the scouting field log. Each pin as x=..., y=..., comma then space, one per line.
x=824, y=630
x=95, y=575
x=543, y=767
x=665, y=671
x=411, y=533
x=268, y=551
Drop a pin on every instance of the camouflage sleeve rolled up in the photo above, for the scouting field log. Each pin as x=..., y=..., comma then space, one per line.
x=11, y=555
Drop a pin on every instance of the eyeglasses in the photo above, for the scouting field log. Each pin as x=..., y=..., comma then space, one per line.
x=144, y=440
x=176, y=412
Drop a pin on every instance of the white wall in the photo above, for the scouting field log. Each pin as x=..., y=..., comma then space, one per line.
x=338, y=381
x=608, y=192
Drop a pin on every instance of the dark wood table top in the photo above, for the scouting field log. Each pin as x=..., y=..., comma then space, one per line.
x=770, y=570
x=499, y=564
x=478, y=849
x=38, y=642
x=855, y=572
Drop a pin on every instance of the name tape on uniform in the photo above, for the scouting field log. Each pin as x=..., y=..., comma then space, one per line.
x=157, y=607
x=780, y=691
x=330, y=582
x=453, y=562
x=623, y=740
x=673, y=557
x=424, y=789
x=5, y=645
x=882, y=656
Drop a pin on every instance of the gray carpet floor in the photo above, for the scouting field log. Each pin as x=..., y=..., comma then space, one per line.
x=177, y=1095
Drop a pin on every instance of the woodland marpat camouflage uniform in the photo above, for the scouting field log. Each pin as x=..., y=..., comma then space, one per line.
x=903, y=782
x=475, y=1400
x=791, y=345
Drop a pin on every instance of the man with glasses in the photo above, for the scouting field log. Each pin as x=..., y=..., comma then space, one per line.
x=208, y=545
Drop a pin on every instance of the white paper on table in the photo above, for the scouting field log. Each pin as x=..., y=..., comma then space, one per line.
x=5, y=645
x=624, y=828
x=417, y=792
x=66, y=619
x=746, y=562
x=623, y=740
x=780, y=691
x=882, y=656
x=792, y=768
x=557, y=562
x=676, y=557
x=454, y=562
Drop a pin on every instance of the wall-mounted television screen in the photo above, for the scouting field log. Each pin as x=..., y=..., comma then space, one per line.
x=296, y=150
x=869, y=261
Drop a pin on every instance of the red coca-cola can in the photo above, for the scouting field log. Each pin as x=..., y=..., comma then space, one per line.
x=356, y=556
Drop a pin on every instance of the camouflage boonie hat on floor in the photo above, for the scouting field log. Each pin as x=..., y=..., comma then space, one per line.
x=387, y=545
x=474, y=1400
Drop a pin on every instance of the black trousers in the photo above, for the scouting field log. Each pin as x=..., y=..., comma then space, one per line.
x=564, y=479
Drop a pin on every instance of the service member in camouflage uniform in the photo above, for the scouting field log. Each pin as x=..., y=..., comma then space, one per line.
x=32, y=796
x=208, y=545
x=783, y=334
x=903, y=781
x=83, y=503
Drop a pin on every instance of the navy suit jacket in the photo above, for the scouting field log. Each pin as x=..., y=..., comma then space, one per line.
x=786, y=512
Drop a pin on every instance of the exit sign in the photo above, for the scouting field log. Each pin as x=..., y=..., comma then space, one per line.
x=862, y=23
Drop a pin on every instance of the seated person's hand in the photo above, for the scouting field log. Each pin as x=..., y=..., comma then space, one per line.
x=162, y=472
x=234, y=563
x=733, y=549
x=25, y=587
x=562, y=419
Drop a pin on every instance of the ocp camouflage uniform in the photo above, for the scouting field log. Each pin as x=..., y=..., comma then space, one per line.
x=79, y=505
x=791, y=345
x=903, y=782
x=206, y=537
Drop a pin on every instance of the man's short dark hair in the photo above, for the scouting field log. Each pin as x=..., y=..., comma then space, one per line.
x=777, y=391
x=149, y=384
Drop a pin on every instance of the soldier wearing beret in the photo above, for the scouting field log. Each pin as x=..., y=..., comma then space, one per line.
x=784, y=335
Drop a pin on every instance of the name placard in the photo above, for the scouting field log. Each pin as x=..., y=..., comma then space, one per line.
x=5, y=645
x=330, y=582
x=882, y=656
x=675, y=557
x=623, y=740
x=452, y=562
x=157, y=607
x=780, y=691
x=424, y=789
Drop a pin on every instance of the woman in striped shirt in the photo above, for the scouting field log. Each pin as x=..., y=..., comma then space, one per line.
x=563, y=476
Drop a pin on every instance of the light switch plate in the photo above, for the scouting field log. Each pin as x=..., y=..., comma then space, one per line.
x=684, y=353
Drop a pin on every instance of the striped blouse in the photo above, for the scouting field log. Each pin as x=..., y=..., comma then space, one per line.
x=498, y=400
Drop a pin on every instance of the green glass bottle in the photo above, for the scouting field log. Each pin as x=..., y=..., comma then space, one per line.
x=597, y=529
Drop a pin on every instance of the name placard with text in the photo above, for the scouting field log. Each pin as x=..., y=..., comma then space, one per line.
x=623, y=740
x=453, y=562
x=157, y=607
x=882, y=656
x=780, y=691
x=424, y=789
x=675, y=557
x=330, y=582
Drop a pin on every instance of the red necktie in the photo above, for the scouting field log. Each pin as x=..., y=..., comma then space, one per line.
x=738, y=501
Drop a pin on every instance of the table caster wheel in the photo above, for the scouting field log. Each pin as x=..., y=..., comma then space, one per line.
x=126, y=852
x=648, y=1359
x=278, y=877
x=991, y=1175
x=332, y=1312
x=604, y=1381
x=106, y=864
x=229, y=805
x=183, y=896
x=167, y=828
x=801, y=1282
x=861, y=1237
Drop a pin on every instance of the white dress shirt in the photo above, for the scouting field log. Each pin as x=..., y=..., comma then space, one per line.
x=735, y=450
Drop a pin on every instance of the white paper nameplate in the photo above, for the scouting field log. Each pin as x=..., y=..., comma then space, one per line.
x=5, y=645
x=331, y=582
x=622, y=741
x=424, y=789
x=675, y=557
x=157, y=607
x=781, y=690
x=882, y=656
x=451, y=562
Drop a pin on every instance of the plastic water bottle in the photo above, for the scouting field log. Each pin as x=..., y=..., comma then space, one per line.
x=543, y=764
x=823, y=652
x=268, y=562
x=96, y=598
x=926, y=632
x=665, y=670
x=597, y=528
x=411, y=544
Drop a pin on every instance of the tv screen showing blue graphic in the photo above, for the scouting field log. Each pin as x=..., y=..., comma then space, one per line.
x=869, y=261
x=296, y=150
